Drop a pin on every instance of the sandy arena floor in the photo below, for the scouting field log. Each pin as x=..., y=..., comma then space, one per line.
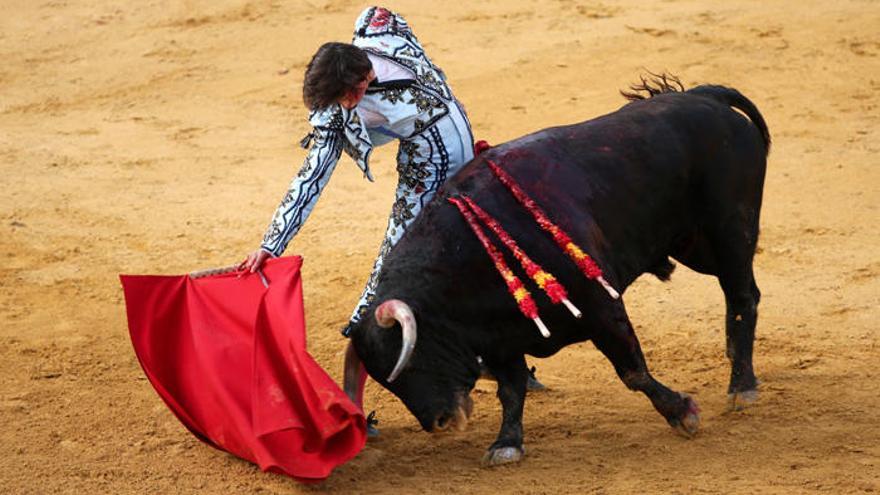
x=157, y=137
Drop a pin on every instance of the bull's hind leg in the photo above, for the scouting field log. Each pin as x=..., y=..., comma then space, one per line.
x=733, y=236
x=618, y=342
x=741, y=295
x=729, y=257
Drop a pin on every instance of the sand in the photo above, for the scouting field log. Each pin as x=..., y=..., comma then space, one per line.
x=158, y=137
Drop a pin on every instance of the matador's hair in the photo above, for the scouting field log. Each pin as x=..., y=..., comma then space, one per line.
x=336, y=69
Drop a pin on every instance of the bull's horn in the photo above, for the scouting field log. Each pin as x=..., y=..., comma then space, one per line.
x=396, y=310
x=354, y=377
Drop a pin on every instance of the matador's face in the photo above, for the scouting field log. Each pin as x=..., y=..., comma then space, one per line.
x=357, y=93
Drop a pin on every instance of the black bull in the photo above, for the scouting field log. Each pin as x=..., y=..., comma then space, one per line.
x=677, y=174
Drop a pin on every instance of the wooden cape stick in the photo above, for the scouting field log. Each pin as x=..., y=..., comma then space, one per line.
x=224, y=269
x=213, y=271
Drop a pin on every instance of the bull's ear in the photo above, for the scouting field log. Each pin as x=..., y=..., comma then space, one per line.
x=362, y=334
x=370, y=340
x=377, y=349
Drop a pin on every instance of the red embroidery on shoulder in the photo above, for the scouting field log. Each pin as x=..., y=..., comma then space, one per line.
x=381, y=17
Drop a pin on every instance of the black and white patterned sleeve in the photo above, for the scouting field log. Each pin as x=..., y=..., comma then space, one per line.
x=304, y=190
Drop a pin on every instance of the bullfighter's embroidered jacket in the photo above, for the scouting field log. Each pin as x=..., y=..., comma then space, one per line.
x=409, y=109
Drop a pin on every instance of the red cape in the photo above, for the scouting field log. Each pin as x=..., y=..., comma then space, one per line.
x=228, y=356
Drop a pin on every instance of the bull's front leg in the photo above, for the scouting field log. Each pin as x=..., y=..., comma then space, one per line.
x=617, y=340
x=512, y=378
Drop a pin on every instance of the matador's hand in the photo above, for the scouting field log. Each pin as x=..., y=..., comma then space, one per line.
x=254, y=261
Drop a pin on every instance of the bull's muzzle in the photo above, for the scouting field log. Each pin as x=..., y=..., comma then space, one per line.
x=457, y=419
x=398, y=311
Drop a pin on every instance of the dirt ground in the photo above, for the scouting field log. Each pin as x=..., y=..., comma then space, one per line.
x=157, y=137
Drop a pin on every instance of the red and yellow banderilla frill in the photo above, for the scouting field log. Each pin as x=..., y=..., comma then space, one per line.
x=586, y=264
x=545, y=280
x=514, y=285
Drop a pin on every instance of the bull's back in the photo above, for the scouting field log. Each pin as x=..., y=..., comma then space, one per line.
x=630, y=184
x=625, y=186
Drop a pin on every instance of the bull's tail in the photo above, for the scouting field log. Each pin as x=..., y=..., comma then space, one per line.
x=735, y=99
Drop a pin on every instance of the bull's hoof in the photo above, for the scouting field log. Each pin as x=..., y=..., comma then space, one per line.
x=737, y=401
x=533, y=385
x=503, y=455
x=689, y=424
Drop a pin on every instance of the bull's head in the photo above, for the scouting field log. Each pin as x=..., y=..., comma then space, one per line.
x=433, y=379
